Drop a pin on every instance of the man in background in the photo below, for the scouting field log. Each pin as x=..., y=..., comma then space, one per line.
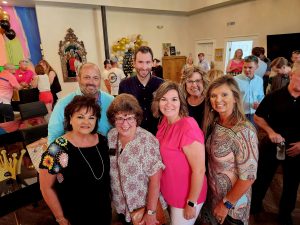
x=157, y=69
x=8, y=83
x=114, y=77
x=262, y=66
x=203, y=63
x=105, y=86
x=143, y=86
x=89, y=80
x=296, y=57
x=251, y=86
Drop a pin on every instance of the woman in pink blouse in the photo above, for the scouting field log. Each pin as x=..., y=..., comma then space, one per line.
x=136, y=164
x=183, y=182
x=235, y=65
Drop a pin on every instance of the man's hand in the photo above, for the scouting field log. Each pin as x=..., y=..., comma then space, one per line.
x=294, y=150
x=276, y=138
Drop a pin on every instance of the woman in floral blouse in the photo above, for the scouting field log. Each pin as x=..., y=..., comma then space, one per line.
x=232, y=154
x=135, y=160
x=74, y=171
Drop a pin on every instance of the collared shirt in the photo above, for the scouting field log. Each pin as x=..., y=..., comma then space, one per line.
x=7, y=84
x=144, y=95
x=24, y=76
x=204, y=65
x=261, y=69
x=251, y=90
x=56, y=122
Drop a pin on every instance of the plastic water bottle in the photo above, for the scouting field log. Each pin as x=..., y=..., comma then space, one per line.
x=280, y=151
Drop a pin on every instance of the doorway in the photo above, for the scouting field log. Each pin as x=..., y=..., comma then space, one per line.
x=206, y=47
x=232, y=46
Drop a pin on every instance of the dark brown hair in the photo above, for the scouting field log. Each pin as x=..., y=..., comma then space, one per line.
x=144, y=50
x=161, y=91
x=279, y=62
x=80, y=102
x=125, y=103
x=48, y=67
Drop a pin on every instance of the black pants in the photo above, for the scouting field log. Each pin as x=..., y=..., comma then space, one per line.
x=267, y=166
x=6, y=113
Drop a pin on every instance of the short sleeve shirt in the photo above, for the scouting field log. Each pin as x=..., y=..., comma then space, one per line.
x=175, y=181
x=139, y=160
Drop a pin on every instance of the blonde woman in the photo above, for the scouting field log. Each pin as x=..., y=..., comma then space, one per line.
x=235, y=65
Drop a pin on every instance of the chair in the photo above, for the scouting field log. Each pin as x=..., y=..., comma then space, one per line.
x=29, y=111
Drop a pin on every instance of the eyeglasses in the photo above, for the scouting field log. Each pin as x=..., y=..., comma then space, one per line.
x=121, y=120
x=194, y=81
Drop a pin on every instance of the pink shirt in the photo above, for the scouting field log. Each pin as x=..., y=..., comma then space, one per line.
x=7, y=84
x=24, y=76
x=176, y=178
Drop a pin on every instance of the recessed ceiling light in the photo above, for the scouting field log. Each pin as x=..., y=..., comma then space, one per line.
x=4, y=2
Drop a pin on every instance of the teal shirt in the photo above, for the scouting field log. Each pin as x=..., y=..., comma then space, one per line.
x=56, y=122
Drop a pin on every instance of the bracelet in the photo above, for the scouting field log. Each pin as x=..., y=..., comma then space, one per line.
x=60, y=219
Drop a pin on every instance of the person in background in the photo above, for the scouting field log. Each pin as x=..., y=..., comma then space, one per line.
x=74, y=171
x=213, y=74
x=262, y=66
x=278, y=116
x=203, y=63
x=267, y=74
x=235, y=65
x=136, y=164
x=89, y=80
x=105, y=85
x=295, y=57
x=24, y=75
x=157, y=69
x=143, y=85
x=194, y=84
x=41, y=81
x=232, y=151
x=251, y=87
x=8, y=83
x=189, y=64
x=280, y=78
x=54, y=82
x=183, y=182
x=115, y=76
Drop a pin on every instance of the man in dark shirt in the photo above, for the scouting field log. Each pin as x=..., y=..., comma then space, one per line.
x=278, y=115
x=143, y=85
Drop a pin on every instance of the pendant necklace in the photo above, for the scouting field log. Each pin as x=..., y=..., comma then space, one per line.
x=97, y=178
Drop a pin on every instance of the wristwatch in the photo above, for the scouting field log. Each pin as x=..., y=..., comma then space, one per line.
x=151, y=212
x=228, y=204
x=190, y=203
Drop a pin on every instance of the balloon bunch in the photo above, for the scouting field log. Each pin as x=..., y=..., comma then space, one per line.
x=125, y=44
x=5, y=25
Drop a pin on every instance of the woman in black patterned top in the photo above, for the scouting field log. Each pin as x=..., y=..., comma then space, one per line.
x=74, y=171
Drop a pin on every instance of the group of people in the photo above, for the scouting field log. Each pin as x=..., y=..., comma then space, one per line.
x=42, y=76
x=187, y=146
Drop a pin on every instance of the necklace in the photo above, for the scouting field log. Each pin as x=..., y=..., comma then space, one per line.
x=97, y=178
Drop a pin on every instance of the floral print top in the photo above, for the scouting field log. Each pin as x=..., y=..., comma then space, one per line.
x=232, y=154
x=139, y=160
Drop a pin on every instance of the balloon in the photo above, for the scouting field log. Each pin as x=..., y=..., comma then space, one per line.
x=4, y=16
x=127, y=40
x=4, y=24
x=10, y=34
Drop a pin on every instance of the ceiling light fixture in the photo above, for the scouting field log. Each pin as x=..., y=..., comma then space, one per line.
x=4, y=2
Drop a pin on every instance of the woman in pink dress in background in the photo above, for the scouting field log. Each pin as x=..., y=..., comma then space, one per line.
x=183, y=182
x=235, y=65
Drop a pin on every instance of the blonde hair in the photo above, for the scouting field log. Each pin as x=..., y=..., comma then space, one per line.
x=214, y=74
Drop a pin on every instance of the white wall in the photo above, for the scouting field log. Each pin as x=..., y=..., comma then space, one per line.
x=258, y=18
x=53, y=24
x=175, y=29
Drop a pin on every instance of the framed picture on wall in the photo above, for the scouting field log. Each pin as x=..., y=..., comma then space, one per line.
x=172, y=50
x=166, y=48
x=219, y=54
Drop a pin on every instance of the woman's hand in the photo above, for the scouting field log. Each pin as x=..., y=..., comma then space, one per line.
x=149, y=220
x=220, y=212
x=189, y=212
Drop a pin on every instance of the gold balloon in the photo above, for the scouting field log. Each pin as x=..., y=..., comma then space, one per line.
x=118, y=47
x=127, y=41
x=5, y=16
